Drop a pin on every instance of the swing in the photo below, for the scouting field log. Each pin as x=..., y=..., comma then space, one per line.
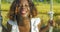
x=0, y=18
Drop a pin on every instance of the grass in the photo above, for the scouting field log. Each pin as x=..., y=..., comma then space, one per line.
x=5, y=6
x=56, y=8
x=45, y=8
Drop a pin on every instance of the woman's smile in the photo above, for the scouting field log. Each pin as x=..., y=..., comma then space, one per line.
x=23, y=11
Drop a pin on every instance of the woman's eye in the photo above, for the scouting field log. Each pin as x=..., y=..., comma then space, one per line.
x=26, y=5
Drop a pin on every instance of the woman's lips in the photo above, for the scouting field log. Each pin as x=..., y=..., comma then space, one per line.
x=23, y=12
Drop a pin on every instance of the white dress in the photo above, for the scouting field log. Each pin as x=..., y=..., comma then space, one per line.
x=34, y=23
x=14, y=26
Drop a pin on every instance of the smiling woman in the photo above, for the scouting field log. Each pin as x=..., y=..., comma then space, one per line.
x=20, y=14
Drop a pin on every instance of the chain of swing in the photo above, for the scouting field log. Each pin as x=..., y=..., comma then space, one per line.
x=10, y=1
x=0, y=14
x=0, y=18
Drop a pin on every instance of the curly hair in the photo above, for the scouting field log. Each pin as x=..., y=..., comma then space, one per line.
x=14, y=9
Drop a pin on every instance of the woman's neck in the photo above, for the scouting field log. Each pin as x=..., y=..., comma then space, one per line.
x=23, y=21
x=24, y=24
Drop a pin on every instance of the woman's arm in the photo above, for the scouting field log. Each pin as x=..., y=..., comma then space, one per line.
x=39, y=26
x=47, y=26
x=42, y=29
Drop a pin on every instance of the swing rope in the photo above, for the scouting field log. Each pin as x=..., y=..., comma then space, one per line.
x=0, y=18
x=0, y=14
x=51, y=15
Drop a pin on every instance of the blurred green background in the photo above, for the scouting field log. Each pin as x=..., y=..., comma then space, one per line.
x=43, y=7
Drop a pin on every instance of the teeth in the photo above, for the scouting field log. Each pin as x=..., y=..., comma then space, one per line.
x=23, y=11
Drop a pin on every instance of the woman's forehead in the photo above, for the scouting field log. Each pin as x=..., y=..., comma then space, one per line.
x=24, y=2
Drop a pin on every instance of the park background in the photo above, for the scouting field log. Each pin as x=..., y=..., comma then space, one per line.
x=43, y=7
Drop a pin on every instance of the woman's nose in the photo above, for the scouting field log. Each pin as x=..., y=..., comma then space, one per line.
x=23, y=6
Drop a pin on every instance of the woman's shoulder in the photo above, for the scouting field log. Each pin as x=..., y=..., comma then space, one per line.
x=37, y=18
x=11, y=22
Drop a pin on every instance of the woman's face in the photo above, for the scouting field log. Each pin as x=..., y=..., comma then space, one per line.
x=24, y=8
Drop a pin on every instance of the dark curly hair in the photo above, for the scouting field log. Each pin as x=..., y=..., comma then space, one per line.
x=13, y=12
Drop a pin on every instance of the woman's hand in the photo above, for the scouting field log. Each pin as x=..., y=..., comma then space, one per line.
x=51, y=22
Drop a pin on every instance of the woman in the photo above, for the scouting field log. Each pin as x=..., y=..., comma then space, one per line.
x=22, y=17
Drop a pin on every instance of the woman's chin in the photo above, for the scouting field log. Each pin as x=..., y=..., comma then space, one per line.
x=24, y=15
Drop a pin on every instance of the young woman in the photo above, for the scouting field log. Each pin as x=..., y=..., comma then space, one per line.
x=22, y=17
